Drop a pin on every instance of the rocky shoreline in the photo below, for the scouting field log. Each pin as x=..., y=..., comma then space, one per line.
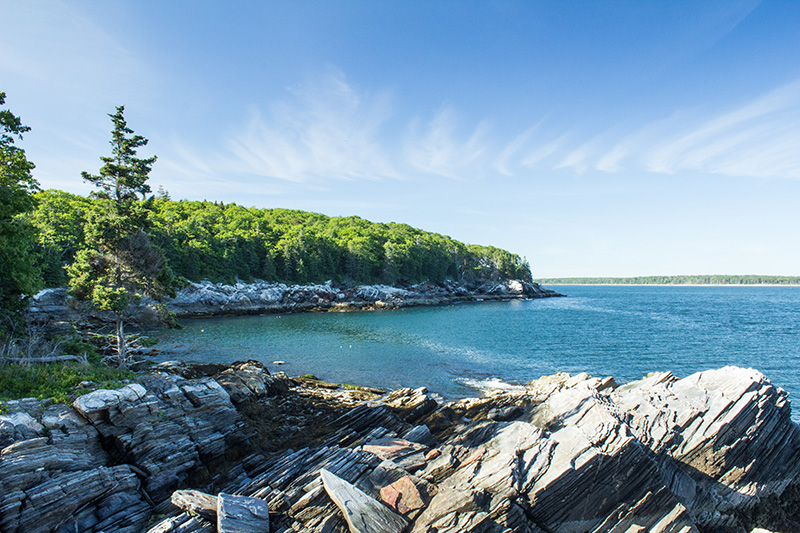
x=206, y=299
x=236, y=448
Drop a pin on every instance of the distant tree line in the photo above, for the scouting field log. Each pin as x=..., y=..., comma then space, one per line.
x=718, y=279
x=227, y=242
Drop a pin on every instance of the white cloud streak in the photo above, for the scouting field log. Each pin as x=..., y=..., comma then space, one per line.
x=325, y=130
x=437, y=148
x=757, y=139
x=754, y=139
x=328, y=130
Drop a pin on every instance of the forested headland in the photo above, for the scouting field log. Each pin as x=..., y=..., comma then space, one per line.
x=123, y=243
x=717, y=279
x=228, y=242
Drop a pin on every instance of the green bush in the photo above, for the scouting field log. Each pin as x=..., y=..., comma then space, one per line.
x=74, y=345
x=59, y=381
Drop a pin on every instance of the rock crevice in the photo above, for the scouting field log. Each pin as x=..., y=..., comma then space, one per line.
x=716, y=451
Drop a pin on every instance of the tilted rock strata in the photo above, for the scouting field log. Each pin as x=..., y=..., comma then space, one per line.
x=579, y=454
x=103, y=463
x=57, y=477
x=716, y=451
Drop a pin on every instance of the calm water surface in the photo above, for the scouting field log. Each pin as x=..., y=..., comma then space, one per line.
x=622, y=331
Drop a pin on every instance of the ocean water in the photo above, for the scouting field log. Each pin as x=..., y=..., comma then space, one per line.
x=620, y=331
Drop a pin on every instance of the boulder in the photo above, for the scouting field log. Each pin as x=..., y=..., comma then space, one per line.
x=405, y=454
x=420, y=434
x=250, y=380
x=411, y=404
x=454, y=511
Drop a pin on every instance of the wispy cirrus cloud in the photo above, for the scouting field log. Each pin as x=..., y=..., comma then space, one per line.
x=511, y=150
x=758, y=139
x=324, y=129
x=438, y=148
x=329, y=130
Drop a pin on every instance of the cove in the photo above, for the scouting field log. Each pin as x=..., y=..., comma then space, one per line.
x=622, y=331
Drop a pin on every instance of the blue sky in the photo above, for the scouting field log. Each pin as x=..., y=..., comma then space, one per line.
x=608, y=138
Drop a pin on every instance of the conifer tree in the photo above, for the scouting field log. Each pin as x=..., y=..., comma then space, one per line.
x=19, y=278
x=119, y=264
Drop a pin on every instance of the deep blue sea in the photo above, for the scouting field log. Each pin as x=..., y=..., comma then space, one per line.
x=621, y=331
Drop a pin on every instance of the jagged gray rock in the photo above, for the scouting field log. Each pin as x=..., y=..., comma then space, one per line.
x=196, y=502
x=98, y=465
x=420, y=434
x=166, y=431
x=715, y=451
x=205, y=298
x=241, y=514
x=363, y=513
x=56, y=475
x=251, y=380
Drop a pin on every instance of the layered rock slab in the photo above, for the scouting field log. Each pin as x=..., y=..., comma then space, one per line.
x=166, y=431
x=100, y=464
x=725, y=440
x=57, y=477
x=363, y=513
x=716, y=451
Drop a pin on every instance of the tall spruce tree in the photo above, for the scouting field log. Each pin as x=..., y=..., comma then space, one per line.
x=119, y=264
x=19, y=278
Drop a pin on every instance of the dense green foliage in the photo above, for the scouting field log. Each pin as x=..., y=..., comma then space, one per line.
x=59, y=381
x=226, y=242
x=59, y=220
x=118, y=263
x=18, y=273
x=678, y=280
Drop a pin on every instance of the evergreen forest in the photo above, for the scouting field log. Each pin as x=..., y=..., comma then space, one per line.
x=227, y=242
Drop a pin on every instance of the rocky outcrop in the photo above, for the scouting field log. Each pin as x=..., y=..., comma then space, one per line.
x=716, y=451
x=57, y=477
x=55, y=309
x=104, y=462
x=204, y=299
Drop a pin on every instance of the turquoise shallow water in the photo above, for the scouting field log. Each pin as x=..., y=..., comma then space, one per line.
x=623, y=331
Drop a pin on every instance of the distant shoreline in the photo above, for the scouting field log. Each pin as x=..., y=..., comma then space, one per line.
x=673, y=284
x=700, y=280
